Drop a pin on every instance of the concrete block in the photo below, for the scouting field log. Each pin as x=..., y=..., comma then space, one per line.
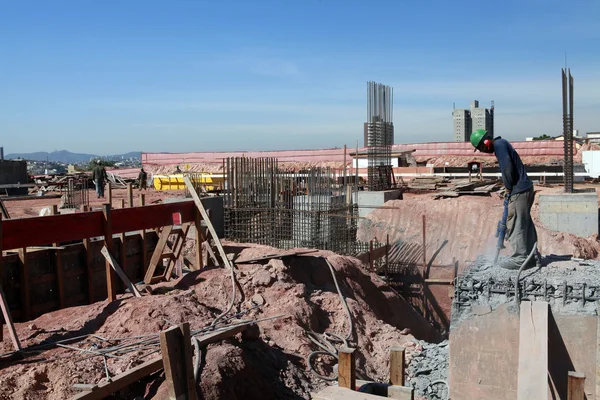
x=575, y=213
x=369, y=201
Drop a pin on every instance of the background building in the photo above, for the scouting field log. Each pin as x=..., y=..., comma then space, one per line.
x=466, y=122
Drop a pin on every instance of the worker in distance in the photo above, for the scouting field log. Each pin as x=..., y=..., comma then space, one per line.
x=520, y=230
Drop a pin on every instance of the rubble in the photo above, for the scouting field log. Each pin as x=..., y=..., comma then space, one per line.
x=427, y=370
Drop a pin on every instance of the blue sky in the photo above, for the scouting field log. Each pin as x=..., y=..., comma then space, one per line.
x=110, y=76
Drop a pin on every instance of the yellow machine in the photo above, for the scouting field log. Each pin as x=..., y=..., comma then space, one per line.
x=175, y=181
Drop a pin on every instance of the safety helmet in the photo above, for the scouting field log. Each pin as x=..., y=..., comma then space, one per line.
x=477, y=137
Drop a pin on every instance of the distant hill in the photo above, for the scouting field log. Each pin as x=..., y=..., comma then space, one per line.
x=68, y=157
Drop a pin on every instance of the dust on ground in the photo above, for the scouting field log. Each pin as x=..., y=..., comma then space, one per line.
x=268, y=365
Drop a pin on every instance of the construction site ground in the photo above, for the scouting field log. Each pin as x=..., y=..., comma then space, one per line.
x=270, y=364
x=266, y=365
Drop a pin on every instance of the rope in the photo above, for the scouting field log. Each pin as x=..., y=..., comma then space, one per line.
x=326, y=340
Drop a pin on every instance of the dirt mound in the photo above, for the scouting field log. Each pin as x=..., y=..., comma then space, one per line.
x=461, y=228
x=269, y=365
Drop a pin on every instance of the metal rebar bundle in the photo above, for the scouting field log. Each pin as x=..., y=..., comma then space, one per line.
x=380, y=135
x=265, y=204
x=567, y=100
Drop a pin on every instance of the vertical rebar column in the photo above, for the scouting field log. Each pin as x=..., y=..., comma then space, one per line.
x=567, y=100
x=380, y=135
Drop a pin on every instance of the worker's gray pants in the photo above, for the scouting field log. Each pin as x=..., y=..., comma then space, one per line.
x=520, y=230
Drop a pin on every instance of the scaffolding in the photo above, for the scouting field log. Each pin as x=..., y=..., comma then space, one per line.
x=380, y=135
x=287, y=209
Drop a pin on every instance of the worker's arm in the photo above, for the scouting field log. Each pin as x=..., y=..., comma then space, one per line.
x=506, y=164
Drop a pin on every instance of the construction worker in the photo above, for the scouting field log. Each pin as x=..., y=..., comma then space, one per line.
x=99, y=177
x=520, y=230
x=177, y=170
x=143, y=178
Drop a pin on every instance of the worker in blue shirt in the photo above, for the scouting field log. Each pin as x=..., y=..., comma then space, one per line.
x=520, y=230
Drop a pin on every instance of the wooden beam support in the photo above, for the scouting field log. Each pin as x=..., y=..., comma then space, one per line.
x=176, y=349
x=533, y=351
x=576, y=386
x=8, y=320
x=130, y=194
x=122, y=203
x=199, y=239
x=346, y=368
x=113, y=263
x=141, y=371
x=143, y=236
x=121, y=381
x=109, y=193
x=397, y=365
x=111, y=284
x=24, y=280
x=157, y=255
x=88, y=264
x=209, y=224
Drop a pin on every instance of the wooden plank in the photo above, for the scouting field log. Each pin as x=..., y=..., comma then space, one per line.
x=24, y=280
x=143, y=236
x=157, y=254
x=60, y=279
x=8, y=320
x=123, y=254
x=340, y=393
x=397, y=366
x=400, y=393
x=177, y=249
x=175, y=344
x=113, y=263
x=209, y=224
x=533, y=351
x=121, y=381
x=199, y=239
x=576, y=386
x=346, y=368
x=152, y=216
x=41, y=231
x=111, y=284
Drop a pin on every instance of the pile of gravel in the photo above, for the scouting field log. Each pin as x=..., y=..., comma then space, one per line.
x=427, y=370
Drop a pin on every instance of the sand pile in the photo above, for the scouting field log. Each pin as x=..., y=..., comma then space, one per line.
x=266, y=365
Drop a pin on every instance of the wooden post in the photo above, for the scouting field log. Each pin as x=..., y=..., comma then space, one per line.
x=576, y=386
x=88, y=264
x=122, y=203
x=143, y=235
x=346, y=368
x=25, y=294
x=425, y=245
x=59, y=268
x=111, y=287
x=176, y=349
x=371, y=255
x=4, y=305
x=199, y=240
x=397, y=366
x=130, y=194
x=109, y=193
x=120, y=272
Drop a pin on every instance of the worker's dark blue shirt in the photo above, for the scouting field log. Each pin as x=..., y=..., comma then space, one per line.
x=513, y=171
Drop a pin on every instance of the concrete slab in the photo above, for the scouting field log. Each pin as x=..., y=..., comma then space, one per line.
x=575, y=213
x=532, y=383
x=369, y=201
